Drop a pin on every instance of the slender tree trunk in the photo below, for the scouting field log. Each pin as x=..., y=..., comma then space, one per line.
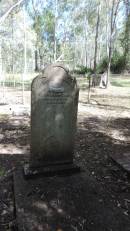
x=107, y=27
x=109, y=64
x=13, y=51
x=55, y=48
x=85, y=41
x=110, y=43
x=25, y=57
x=127, y=33
x=114, y=10
x=40, y=58
x=75, y=61
x=55, y=42
x=2, y=74
x=96, y=46
x=36, y=61
x=0, y=58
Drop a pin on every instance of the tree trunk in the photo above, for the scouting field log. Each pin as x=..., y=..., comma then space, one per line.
x=107, y=29
x=85, y=40
x=96, y=46
x=55, y=42
x=0, y=58
x=12, y=69
x=127, y=34
x=36, y=61
x=114, y=10
x=25, y=57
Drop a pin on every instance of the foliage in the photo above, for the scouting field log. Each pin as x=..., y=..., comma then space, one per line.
x=117, y=63
x=81, y=70
x=125, y=37
x=60, y=28
x=102, y=66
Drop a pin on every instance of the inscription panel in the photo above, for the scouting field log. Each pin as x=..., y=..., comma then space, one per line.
x=56, y=98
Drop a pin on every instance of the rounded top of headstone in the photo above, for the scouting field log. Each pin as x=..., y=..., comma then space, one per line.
x=56, y=69
x=55, y=74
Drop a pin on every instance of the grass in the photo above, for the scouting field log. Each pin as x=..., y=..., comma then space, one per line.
x=3, y=117
x=120, y=82
x=115, y=80
x=18, y=77
x=16, y=80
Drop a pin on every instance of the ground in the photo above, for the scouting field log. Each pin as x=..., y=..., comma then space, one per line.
x=103, y=132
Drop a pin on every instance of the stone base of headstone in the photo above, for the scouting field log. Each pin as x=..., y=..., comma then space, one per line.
x=67, y=203
x=122, y=159
x=50, y=170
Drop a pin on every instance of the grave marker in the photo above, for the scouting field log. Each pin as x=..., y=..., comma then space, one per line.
x=54, y=102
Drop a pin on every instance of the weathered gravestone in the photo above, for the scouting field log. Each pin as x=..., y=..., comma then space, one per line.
x=54, y=102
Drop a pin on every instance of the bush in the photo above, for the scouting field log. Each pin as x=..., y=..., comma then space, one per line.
x=90, y=70
x=102, y=66
x=117, y=63
x=81, y=70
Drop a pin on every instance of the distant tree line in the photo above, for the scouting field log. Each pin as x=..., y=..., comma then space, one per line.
x=91, y=35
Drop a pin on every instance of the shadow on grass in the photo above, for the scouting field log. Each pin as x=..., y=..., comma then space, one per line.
x=104, y=106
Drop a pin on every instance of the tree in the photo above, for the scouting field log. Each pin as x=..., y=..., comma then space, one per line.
x=126, y=36
x=44, y=27
x=96, y=40
x=113, y=7
x=74, y=31
x=5, y=14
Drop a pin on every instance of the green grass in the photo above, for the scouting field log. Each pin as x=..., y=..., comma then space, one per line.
x=82, y=80
x=18, y=77
x=17, y=82
x=115, y=80
x=120, y=81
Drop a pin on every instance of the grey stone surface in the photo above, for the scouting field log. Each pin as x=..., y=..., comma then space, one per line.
x=50, y=170
x=54, y=102
x=123, y=159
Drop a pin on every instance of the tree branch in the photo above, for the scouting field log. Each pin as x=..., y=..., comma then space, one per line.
x=60, y=58
x=5, y=15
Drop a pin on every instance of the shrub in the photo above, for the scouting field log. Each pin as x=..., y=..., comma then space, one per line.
x=102, y=66
x=90, y=71
x=81, y=70
x=117, y=63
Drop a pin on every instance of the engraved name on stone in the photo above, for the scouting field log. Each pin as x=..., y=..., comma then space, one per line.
x=56, y=89
x=56, y=97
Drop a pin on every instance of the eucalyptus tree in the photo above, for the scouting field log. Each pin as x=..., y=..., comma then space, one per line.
x=84, y=23
x=96, y=39
x=11, y=5
x=113, y=10
x=126, y=35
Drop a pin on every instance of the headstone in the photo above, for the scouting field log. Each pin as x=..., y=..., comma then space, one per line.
x=54, y=102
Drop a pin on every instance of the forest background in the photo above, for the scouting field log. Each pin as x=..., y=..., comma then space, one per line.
x=88, y=36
